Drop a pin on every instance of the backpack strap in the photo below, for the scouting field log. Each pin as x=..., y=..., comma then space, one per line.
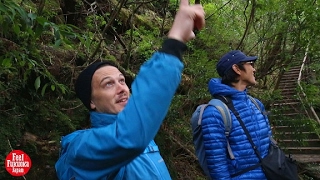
x=273, y=141
x=224, y=111
x=255, y=102
x=257, y=105
x=225, y=114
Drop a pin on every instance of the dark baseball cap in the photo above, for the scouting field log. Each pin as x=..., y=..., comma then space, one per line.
x=231, y=58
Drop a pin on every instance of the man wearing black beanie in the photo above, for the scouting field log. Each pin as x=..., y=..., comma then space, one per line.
x=120, y=143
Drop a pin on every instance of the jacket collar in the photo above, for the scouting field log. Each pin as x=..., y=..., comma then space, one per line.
x=101, y=119
x=217, y=88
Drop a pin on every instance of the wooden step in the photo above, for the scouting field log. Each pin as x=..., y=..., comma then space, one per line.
x=286, y=117
x=286, y=100
x=291, y=74
x=286, y=103
x=294, y=74
x=292, y=135
x=295, y=132
x=296, y=143
x=293, y=93
x=288, y=97
x=288, y=89
x=292, y=88
x=301, y=150
x=295, y=68
x=290, y=84
x=307, y=158
x=292, y=104
x=286, y=113
x=292, y=71
x=288, y=81
x=287, y=128
x=294, y=129
x=288, y=93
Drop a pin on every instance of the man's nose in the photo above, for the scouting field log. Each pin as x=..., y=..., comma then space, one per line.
x=120, y=88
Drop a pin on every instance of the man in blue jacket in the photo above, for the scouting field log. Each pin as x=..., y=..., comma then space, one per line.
x=237, y=73
x=120, y=143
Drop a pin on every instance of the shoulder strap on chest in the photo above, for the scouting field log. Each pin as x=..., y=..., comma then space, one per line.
x=255, y=102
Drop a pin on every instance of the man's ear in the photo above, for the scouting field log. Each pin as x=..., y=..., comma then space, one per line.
x=236, y=69
x=92, y=105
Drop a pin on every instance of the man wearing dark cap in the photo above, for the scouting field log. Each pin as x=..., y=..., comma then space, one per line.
x=237, y=73
x=120, y=143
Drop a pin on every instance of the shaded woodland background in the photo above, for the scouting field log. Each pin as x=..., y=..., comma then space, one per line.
x=45, y=44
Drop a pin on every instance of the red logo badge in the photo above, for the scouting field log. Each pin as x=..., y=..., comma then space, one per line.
x=17, y=163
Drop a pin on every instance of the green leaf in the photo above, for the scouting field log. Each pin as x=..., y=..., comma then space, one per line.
x=56, y=32
x=37, y=83
x=22, y=63
x=57, y=43
x=2, y=9
x=53, y=87
x=43, y=90
x=45, y=24
x=43, y=21
x=6, y=62
x=32, y=16
x=62, y=88
x=38, y=31
x=16, y=29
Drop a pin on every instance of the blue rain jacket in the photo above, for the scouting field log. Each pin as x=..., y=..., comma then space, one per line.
x=219, y=164
x=121, y=146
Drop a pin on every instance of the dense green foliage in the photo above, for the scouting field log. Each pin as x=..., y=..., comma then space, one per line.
x=44, y=45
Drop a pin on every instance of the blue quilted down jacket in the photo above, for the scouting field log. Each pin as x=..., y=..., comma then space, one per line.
x=219, y=163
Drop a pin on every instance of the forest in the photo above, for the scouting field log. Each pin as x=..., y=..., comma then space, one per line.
x=45, y=44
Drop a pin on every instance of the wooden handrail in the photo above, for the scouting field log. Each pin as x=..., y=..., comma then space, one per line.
x=299, y=80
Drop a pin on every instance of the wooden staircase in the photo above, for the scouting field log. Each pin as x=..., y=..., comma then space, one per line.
x=292, y=125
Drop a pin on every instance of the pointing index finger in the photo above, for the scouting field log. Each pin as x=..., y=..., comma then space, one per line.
x=184, y=2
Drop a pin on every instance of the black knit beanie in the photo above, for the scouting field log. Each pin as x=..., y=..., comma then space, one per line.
x=83, y=83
